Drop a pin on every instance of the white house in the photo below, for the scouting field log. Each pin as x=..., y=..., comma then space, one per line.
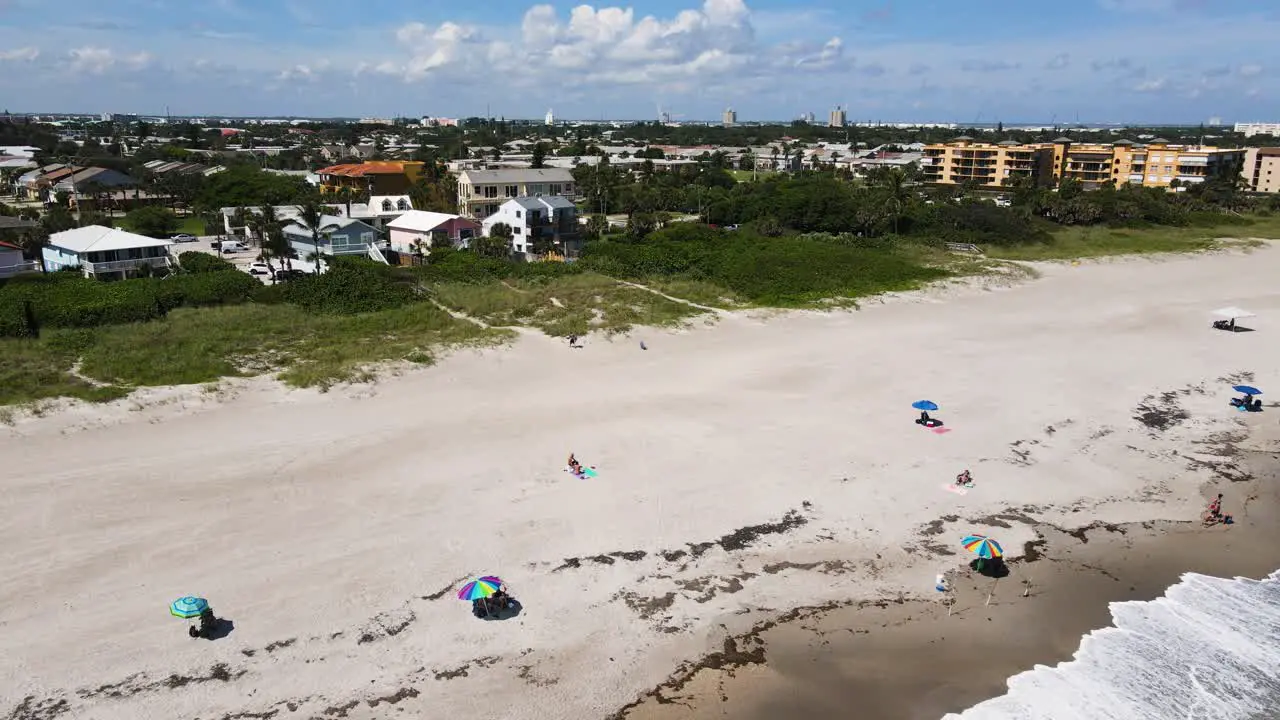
x=105, y=253
x=551, y=217
x=418, y=228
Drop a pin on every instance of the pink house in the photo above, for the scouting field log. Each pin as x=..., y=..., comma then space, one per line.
x=418, y=228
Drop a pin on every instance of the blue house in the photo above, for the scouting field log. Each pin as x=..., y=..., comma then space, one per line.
x=337, y=236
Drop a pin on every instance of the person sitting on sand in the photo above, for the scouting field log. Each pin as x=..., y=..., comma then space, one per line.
x=964, y=478
x=924, y=418
x=1215, y=507
x=574, y=465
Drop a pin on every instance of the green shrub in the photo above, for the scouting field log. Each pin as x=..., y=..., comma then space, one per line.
x=198, y=262
x=771, y=271
x=352, y=286
x=76, y=302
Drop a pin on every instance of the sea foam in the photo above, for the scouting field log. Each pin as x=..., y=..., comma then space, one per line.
x=1210, y=648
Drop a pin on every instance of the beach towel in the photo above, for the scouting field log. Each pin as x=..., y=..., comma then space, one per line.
x=941, y=430
x=586, y=472
x=957, y=489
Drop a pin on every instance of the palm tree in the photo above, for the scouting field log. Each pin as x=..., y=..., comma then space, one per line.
x=893, y=183
x=311, y=217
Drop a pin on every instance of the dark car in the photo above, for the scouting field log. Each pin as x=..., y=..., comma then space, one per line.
x=289, y=274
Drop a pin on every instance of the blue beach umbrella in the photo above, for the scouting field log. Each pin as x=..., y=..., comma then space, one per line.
x=188, y=607
x=926, y=405
x=1246, y=389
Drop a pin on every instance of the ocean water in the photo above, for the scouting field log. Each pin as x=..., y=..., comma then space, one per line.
x=1209, y=649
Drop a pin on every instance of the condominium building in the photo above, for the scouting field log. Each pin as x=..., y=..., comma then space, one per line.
x=1158, y=163
x=1262, y=169
x=730, y=118
x=482, y=192
x=1251, y=129
x=837, y=117
x=964, y=160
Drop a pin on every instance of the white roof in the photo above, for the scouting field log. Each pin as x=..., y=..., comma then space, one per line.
x=96, y=238
x=421, y=220
x=1233, y=312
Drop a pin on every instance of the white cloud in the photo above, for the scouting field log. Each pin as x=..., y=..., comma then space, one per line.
x=24, y=54
x=90, y=60
x=1250, y=70
x=1149, y=86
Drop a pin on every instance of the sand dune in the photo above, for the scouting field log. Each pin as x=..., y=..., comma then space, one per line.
x=744, y=469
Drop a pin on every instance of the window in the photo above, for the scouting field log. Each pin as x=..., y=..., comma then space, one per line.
x=517, y=230
x=386, y=205
x=512, y=191
x=366, y=238
x=517, y=213
x=402, y=204
x=555, y=189
x=491, y=191
x=519, y=248
x=535, y=189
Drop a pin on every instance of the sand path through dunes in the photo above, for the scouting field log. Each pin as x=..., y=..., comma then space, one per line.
x=746, y=468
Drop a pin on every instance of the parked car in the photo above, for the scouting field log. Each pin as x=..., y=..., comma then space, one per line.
x=289, y=274
x=184, y=238
x=259, y=268
x=230, y=246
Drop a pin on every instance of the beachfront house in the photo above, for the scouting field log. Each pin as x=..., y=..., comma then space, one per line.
x=338, y=236
x=106, y=253
x=532, y=220
x=419, y=230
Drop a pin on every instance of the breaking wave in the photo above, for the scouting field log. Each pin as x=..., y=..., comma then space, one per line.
x=1210, y=648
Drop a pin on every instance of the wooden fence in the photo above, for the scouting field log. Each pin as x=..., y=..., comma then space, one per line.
x=964, y=247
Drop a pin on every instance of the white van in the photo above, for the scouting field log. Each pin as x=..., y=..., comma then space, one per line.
x=231, y=246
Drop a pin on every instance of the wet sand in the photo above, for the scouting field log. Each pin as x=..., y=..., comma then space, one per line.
x=911, y=661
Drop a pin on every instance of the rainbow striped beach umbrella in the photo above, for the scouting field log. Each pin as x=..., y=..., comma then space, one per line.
x=983, y=546
x=480, y=589
x=188, y=607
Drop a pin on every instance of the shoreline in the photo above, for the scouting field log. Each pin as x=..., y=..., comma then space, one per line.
x=898, y=659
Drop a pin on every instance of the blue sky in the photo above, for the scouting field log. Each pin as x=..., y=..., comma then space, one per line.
x=888, y=60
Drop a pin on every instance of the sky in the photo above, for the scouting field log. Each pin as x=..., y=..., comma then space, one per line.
x=1175, y=61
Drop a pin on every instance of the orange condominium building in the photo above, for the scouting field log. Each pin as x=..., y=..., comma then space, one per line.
x=1157, y=163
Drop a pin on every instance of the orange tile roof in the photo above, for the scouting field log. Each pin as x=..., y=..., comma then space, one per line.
x=365, y=168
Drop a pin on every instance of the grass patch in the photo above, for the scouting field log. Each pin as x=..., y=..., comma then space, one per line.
x=34, y=370
x=571, y=304
x=1083, y=242
x=201, y=345
x=701, y=292
x=748, y=175
x=188, y=224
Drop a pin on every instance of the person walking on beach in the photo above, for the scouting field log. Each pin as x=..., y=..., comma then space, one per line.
x=1215, y=507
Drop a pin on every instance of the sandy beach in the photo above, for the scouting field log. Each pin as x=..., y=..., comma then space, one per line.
x=760, y=482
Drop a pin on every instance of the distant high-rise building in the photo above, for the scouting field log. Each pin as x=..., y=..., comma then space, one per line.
x=664, y=117
x=730, y=118
x=808, y=117
x=1215, y=122
x=1251, y=129
x=551, y=119
x=837, y=117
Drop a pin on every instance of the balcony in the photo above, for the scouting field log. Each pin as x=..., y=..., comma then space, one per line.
x=124, y=265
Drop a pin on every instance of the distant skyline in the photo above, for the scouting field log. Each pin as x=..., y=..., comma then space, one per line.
x=1121, y=61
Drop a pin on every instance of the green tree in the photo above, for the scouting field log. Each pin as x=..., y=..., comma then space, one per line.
x=497, y=244
x=152, y=221
x=539, y=156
